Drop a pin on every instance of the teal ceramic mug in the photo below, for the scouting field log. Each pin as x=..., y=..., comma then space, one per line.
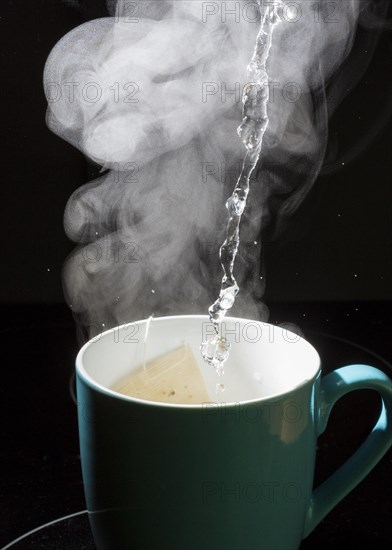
x=233, y=473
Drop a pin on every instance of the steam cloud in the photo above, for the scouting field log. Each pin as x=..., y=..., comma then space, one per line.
x=153, y=95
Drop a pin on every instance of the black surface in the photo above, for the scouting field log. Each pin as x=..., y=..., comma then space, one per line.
x=40, y=465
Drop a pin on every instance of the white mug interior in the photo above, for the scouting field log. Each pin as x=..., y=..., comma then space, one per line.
x=265, y=360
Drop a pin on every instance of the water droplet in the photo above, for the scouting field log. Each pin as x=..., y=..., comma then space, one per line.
x=215, y=351
x=103, y=324
x=220, y=388
x=153, y=291
x=291, y=13
x=219, y=370
x=227, y=300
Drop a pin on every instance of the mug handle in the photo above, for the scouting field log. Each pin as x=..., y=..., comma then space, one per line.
x=339, y=484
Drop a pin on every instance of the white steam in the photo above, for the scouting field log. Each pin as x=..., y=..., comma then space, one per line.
x=153, y=95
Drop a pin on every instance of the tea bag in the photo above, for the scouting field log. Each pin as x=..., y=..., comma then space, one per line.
x=170, y=378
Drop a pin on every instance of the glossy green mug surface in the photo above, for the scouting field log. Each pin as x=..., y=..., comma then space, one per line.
x=235, y=473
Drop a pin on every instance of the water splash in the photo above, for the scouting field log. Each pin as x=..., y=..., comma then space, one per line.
x=215, y=351
x=255, y=98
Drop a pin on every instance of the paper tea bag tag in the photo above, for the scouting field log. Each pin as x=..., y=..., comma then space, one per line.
x=170, y=378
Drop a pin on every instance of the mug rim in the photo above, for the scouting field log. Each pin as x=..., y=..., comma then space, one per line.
x=94, y=385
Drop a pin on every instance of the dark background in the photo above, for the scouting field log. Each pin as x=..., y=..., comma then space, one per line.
x=329, y=272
